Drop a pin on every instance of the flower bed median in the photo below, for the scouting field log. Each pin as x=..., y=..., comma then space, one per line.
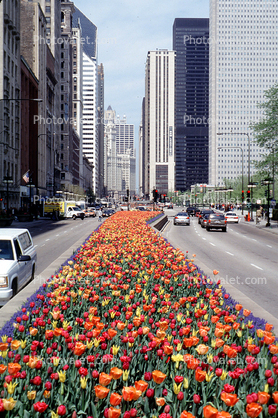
x=129, y=328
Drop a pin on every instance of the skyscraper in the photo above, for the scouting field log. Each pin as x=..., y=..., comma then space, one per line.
x=191, y=43
x=243, y=64
x=90, y=98
x=159, y=159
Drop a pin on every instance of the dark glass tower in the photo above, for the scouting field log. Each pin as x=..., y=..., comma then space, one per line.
x=191, y=43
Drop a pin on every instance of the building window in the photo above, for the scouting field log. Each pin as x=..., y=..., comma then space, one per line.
x=48, y=20
x=47, y=9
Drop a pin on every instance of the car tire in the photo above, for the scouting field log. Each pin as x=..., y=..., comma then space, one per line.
x=208, y=229
x=224, y=229
x=14, y=287
x=82, y=218
x=174, y=223
x=74, y=217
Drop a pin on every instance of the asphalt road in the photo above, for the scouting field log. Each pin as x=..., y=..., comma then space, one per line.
x=246, y=258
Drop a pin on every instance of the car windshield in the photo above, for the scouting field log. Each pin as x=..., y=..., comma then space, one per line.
x=76, y=209
x=6, y=251
x=182, y=214
x=216, y=216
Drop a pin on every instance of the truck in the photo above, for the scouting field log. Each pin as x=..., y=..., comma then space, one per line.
x=62, y=209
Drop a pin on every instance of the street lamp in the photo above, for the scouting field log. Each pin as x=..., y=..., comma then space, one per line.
x=267, y=181
x=251, y=185
x=242, y=169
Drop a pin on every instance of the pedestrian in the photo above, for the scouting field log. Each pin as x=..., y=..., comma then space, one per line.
x=99, y=215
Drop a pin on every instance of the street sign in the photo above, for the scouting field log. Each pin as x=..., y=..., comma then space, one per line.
x=248, y=205
x=273, y=202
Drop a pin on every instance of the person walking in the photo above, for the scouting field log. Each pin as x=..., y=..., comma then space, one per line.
x=99, y=215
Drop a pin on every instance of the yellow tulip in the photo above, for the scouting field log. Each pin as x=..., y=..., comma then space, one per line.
x=4, y=338
x=62, y=376
x=125, y=375
x=56, y=361
x=185, y=383
x=89, y=344
x=177, y=388
x=9, y=404
x=209, y=376
x=31, y=395
x=23, y=344
x=223, y=375
x=115, y=349
x=11, y=387
x=83, y=382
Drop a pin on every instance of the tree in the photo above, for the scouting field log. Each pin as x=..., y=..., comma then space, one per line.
x=266, y=134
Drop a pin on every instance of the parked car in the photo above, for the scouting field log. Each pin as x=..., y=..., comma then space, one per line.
x=182, y=218
x=216, y=221
x=231, y=217
x=18, y=259
x=204, y=220
x=204, y=212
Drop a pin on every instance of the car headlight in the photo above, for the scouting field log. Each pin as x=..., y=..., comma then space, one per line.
x=4, y=281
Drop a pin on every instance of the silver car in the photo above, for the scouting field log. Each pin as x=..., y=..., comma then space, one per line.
x=182, y=218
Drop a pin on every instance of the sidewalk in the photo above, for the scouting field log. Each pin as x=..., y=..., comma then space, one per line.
x=273, y=228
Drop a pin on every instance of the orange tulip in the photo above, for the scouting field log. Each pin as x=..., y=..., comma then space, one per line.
x=238, y=307
x=104, y=379
x=141, y=385
x=96, y=332
x=13, y=368
x=253, y=410
x=158, y=376
x=269, y=340
x=112, y=333
x=210, y=412
x=129, y=392
x=214, y=319
x=223, y=414
x=263, y=397
x=246, y=312
x=200, y=375
x=230, y=399
x=186, y=414
x=15, y=344
x=273, y=349
x=188, y=342
x=115, y=399
x=4, y=346
x=3, y=368
x=57, y=332
x=116, y=373
x=275, y=397
x=101, y=391
x=114, y=413
x=219, y=342
x=33, y=361
x=192, y=363
x=268, y=327
x=79, y=348
x=168, y=349
x=33, y=331
x=160, y=401
x=137, y=395
x=229, y=351
x=202, y=349
x=120, y=326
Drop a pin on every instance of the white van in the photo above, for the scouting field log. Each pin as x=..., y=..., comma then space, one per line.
x=18, y=259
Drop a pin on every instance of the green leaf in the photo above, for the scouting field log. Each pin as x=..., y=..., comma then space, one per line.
x=26, y=414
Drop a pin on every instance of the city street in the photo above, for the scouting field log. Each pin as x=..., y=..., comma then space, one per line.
x=245, y=256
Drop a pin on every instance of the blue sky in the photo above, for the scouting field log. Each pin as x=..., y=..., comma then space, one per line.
x=127, y=30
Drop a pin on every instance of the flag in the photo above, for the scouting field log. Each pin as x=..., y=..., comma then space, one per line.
x=26, y=177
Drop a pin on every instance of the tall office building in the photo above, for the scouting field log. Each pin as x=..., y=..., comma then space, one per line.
x=159, y=161
x=9, y=109
x=90, y=98
x=243, y=64
x=100, y=125
x=124, y=136
x=191, y=44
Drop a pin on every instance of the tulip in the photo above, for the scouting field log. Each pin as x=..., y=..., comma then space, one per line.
x=141, y=385
x=114, y=413
x=11, y=387
x=104, y=379
x=40, y=407
x=9, y=404
x=210, y=412
x=31, y=395
x=83, y=382
x=263, y=397
x=61, y=410
x=253, y=410
x=115, y=399
x=196, y=398
x=186, y=414
x=160, y=401
x=200, y=375
x=116, y=373
x=158, y=376
x=101, y=391
x=128, y=393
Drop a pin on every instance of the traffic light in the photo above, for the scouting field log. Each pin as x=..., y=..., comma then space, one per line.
x=248, y=195
x=242, y=195
x=265, y=193
x=127, y=192
x=155, y=195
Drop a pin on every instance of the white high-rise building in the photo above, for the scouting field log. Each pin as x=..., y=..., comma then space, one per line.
x=159, y=161
x=90, y=143
x=243, y=64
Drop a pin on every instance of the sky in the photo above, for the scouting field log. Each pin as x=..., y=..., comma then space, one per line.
x=127, y=30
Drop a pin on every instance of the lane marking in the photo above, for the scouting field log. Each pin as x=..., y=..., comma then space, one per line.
x=35, y=245
x=253, y=239
x=42, y=245
x=48, y=239
x=270, y=246
x=211, y=243
x=227, y=252
x=57, y=235
x=257, y=267
x=204, y=239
